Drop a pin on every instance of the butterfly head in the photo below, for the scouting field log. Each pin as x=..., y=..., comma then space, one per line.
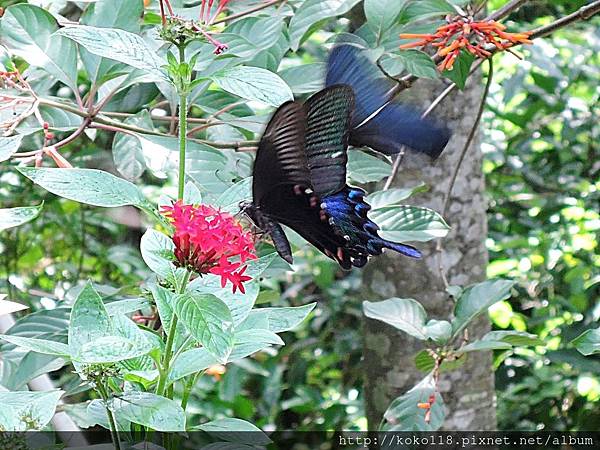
x=250, y=211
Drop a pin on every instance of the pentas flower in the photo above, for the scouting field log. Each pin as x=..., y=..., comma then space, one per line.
x=465, y=33
x=210, y=241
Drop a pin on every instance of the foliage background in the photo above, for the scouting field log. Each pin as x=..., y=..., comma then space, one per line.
x=541, y=148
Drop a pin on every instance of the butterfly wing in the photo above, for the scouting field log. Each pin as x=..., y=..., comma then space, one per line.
x=378, y=123
x=301, y=158
x=300, y=181
x=328, y=114
x=337, y=223
x=280, y=158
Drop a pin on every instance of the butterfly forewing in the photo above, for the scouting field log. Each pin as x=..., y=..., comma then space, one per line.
x=280, y=159
x=328, y=114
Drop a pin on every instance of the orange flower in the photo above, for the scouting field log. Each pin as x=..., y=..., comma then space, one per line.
x=465, y=33
x=216, y=371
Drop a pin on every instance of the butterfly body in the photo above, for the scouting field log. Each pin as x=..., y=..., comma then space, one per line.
x=299, y=175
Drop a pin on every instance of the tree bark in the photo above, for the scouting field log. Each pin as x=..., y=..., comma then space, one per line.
x=389, y=354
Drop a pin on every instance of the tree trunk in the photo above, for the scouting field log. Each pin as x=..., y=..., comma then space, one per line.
x=388, y=353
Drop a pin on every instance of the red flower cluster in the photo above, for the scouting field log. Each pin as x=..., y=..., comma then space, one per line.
x=465, y=33
x=206, y=240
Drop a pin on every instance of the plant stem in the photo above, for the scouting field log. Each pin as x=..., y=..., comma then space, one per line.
x=111, y=418
x=168, y=356
x=187, y=390
x=182, y=130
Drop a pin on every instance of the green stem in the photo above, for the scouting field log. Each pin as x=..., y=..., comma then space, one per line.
x=168, y=356
x=111, y=418
x=187, y=390
x=182, y=130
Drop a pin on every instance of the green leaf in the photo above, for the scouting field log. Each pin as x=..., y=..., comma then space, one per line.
x=207, y=166
x=208, y=319
x=110, y=349
x=588, y=342
x=127, y=150
x=439, y=331
x=58, y=119
x=90, y=186
x=44, y=346
x=157, y=252
x=476, y=299
x=96, y=413
x=256, y=267
x=421, y=9
x=403, y=413
x=392, y=196
x=277, y=320
x=254, y=83
x=114, y=14
x=305, y=78
x=248, y=37
x=89, y=319
x=118, y=45
x=9, y=145
x=235, y=430
x=13, y=217
x=144, y=341
x=164, y=302
x=126, y=306
x=409, y=223
x=414, y=62
x=150, y=410
x=27, y=30
x=240, y=303
x=364, y=168
x=43, y=321
x=382, y=14
x=230, y=199
x=190, y=362
x=404, y=314
x=124, y=15
x=512, y=337
x=248, y=342
x=460, y=70
x=191, y=194
x=482, y=345
x=425, y=362
x=22, y=411
x=311, y=14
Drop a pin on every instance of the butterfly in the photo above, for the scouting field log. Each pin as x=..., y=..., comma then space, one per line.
x=299, y=174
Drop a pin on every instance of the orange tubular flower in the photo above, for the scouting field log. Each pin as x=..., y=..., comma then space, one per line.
x=465, y=33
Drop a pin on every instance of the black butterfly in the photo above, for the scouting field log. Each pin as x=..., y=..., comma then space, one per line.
x=300, y=167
